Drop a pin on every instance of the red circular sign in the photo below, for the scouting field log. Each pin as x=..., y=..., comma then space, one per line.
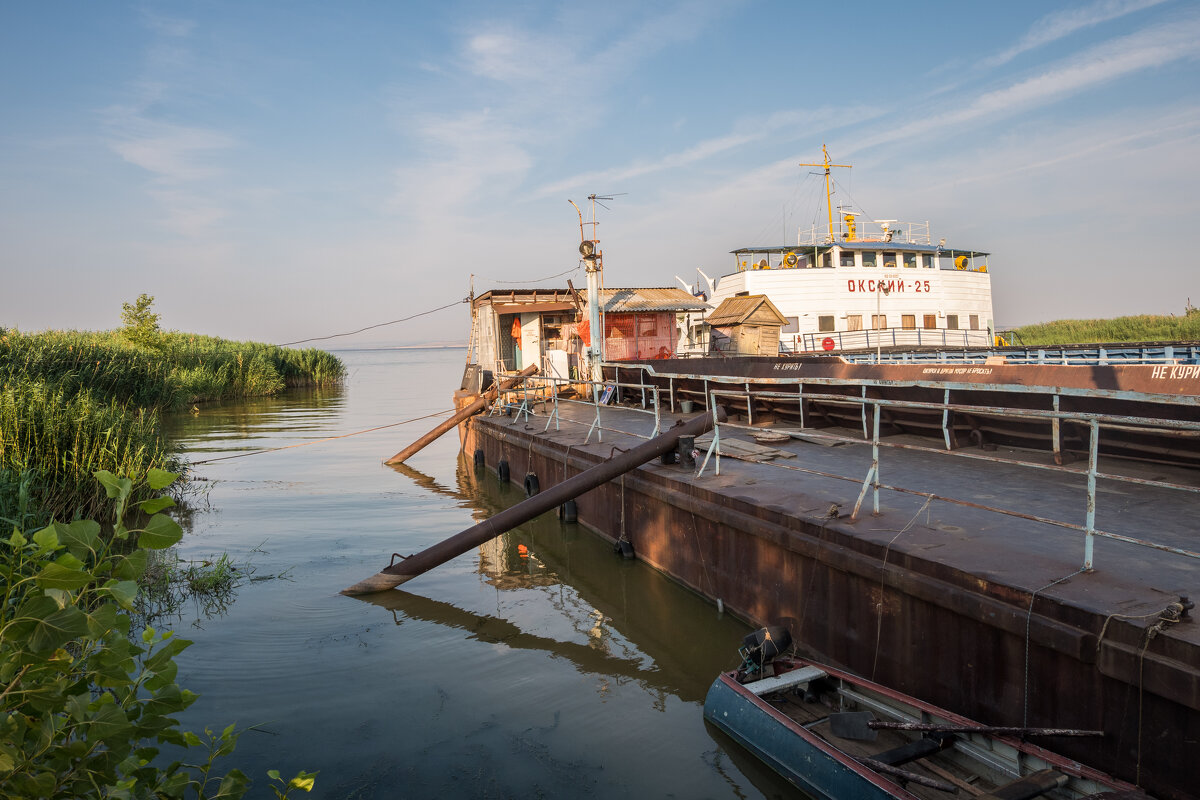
x=827, y=343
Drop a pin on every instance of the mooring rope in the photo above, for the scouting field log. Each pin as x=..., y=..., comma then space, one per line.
x=883, y=577
x=318, y=441
x=1028, y=626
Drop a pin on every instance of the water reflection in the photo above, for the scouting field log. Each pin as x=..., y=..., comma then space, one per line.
x=540, y=665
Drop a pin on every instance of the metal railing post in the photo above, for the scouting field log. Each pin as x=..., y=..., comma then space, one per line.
x=1093, y=454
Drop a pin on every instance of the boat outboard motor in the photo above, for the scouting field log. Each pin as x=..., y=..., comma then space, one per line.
x=760, y=647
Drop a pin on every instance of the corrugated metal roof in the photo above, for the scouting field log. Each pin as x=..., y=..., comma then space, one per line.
x=736, y=310
x=617, y=301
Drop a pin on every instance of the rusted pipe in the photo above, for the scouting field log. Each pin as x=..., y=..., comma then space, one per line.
x=522, y=512
x=474, y=408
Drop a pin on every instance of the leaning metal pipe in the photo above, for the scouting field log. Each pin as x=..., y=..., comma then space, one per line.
x=466, y=411
x=526, y=510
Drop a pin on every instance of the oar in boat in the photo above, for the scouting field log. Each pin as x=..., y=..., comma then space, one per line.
x=862, y=726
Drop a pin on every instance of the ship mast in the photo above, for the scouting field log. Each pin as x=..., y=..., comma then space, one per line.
x=828, y=188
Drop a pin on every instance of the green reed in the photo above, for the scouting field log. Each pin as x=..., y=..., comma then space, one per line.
x=1141, y=328
x=74, y=402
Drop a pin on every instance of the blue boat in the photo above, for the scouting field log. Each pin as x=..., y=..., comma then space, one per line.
x=838, y=736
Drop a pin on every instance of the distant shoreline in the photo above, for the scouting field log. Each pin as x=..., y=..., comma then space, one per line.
x=403, y=347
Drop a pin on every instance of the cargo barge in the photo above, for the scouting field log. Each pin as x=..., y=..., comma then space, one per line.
x=962, y=581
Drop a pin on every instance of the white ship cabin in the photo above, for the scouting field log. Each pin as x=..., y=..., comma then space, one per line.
x=852, y=289
x=513, y=328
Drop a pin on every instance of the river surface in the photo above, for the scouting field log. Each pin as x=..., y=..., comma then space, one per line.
x=541, y=665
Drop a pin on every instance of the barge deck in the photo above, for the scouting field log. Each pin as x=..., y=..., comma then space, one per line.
x=982, y=612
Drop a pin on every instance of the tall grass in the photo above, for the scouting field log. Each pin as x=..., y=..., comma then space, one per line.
x=74, y=402
x=1142, y=328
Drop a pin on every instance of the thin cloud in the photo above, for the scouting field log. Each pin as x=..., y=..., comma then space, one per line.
x=1105, y=62
x=1061, y=24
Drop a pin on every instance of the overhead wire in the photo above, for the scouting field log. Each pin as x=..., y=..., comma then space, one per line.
x=379, y=325
x=576, y=268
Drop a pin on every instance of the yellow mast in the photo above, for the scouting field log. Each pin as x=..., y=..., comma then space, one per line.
x=828, y=189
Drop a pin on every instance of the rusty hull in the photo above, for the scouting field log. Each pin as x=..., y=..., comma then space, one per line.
x=942, y=612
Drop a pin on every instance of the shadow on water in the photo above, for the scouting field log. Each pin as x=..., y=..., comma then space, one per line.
x=540, y=664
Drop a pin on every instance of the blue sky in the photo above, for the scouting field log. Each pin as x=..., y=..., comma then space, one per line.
x=282, y=170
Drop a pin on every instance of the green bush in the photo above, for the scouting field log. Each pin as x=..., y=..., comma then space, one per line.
x=86, y=706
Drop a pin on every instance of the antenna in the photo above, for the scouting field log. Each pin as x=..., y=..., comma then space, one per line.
x=828, y=190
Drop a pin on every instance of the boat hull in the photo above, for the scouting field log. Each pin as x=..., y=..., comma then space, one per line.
x=803, y=759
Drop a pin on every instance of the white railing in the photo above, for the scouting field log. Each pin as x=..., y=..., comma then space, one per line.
x=897, y=233
x=883, y=337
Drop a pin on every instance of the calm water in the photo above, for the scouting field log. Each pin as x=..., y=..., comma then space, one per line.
x=566, y=673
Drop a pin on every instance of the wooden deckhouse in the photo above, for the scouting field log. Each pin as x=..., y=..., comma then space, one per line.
x=746, y=326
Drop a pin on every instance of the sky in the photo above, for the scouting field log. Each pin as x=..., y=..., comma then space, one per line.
x=279, y=171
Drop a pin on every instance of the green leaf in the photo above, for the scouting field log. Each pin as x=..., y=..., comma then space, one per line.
x=121, y=591
x=132, y=566
x=102, y=620
x=160, y=533
x=17, y=540
x=156, y=505
x=233, y=786
x=160, y=479
x=273, y=774
x=57, y=576
x=114, y=486
x=82, y=534
x=58, y=628
x=46, y=538
x=108, y=723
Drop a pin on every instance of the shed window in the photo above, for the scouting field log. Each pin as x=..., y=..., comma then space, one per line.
x=825, y=324
x=870, y=258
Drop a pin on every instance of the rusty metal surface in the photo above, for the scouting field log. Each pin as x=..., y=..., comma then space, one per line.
x=984, y=614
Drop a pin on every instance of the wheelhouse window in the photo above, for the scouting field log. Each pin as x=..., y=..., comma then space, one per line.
x=827, y=260
x=825, y=324
x=952, y=322
x=926, y=261
x=910, y=260
x=854, y=322
x=889, y=260
x=847, y=258
x=870, y=258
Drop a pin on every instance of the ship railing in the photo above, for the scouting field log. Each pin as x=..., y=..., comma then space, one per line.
x=1093, y=355
x=547, y=390
x=872, y=409
x=872, y=338
x=897, y=233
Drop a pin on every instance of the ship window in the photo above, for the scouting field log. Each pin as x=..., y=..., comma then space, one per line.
x=869, y=258
x=827, y=259
x=825, y=324
x=908, y=320
x=847, y=259
x=793, y=325
x=974, y=322
x=878, y=321
x=910, y=260
x=926, y=261
x=930, y=321
x=889, y=259
x=952, y=321
x=854, y=322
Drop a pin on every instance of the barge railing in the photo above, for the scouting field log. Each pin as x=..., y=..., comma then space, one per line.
x=1095, y=422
